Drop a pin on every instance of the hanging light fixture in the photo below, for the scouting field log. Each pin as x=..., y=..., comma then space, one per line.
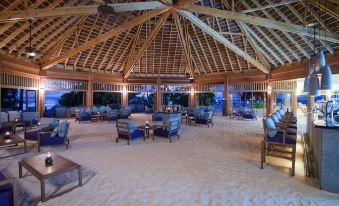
x=314, y=84
x=30, y=51
x=320, y=61
x=307, y=82
x=326, y=78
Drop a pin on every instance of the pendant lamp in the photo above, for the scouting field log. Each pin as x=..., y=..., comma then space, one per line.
x=307, y=83
x=320, y=61
x=326, y=78
x=314, y=85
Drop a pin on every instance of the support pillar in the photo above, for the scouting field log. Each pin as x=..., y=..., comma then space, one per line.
x=269, y=99
x=40, y=98
x=158, y=94
x=294, y=103
x=228, y=97
x=310, y=105
x=191, y=97
x=89, y=93
x=124, y=96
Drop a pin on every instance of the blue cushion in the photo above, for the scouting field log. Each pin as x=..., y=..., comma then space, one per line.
x=46, y=139
x=28, y=116
x=32, y=134
x=89, y=111
x=108, y=109
x=48, y=122
x=275, y=118
x=289, y=139
x=164, y=133
x=270, y=125
x=278, y=115
x=102, y=109
x=137, y=133
x=60, y=130
x=95, y=109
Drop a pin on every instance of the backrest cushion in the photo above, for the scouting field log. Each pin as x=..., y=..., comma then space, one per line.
x=28, y=116
x=95, y=109
x=48, y=122
x=122, y=125
x=4, y=117
x=279, y=115
x=89, y=110
x=270, y=125
x=102, y=109
x=275, y=118
x=108, y=109
x=12, y=115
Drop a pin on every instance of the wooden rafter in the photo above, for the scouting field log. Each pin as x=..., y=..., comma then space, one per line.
x=271, y=5
x=268, y=23
x=331, y=7
x=103, y=37
x=223, y=40
x=158, y=25
x=184, y=43
x=78, y=10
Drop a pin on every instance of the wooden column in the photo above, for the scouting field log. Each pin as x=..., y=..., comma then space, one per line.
x=269, y=99
x=124, y=96
x=294, y=102
x=310, y=104
x=89, y=93
x=227, y=97
x=191, y=98
x=158, y=94
x=40, y=97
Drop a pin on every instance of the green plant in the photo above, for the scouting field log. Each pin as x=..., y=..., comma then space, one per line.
x=71, y=99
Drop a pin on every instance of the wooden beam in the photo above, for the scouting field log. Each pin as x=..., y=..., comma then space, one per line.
x=271, y=5
x=103, y=37
x=79, y=10
x=158, y=25
x=331, y=7
x=268, y=23
x=183, y=42
x=223, y=40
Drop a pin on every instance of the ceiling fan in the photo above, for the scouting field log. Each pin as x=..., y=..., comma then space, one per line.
x=105, y=9
x=31, y=51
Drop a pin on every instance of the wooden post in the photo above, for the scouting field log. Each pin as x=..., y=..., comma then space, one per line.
x=158, y=94
x=294, y=103
x=269, y=99
x=40, y=98
x=191, y=99
x=89, y=93
x=310, y=104
x=124, y=96
x=227, y=97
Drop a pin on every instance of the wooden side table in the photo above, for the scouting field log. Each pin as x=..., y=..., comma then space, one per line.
x=36, y=166
x=193, y=120
x=13, y=140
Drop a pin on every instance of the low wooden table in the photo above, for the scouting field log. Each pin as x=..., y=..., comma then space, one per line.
x=96, y=117
x=193, y=120
x=13, y=140
x=36, y=166
x=146, y=129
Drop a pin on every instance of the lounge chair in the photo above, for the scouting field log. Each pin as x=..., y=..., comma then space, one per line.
x=8, y=190
x=277, y=143
x=112, y=115
x=249, y=114
x=124, y=113
x=206, y=119
x=157, y=116
x=169, y=129
x=46, y=124
x=30, y=119
x=126, y=130
x=83, y=115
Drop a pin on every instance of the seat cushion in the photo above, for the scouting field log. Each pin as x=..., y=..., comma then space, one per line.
x=137, y=133
x=164, y=133
x=291, y=131
x=5, y=187
x=46, y=139
x=32, y=134
x=278, y=138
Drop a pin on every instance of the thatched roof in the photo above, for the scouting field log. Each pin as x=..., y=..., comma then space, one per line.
x=186, y=38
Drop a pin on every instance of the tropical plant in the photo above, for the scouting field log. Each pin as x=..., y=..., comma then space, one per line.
x=71, y=99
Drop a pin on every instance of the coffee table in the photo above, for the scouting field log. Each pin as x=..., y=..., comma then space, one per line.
x=36, y=166
x=146, y=129
x=14, y=139
x=193, y=120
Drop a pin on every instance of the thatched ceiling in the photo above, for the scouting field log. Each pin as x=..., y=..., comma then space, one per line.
x=178, y=47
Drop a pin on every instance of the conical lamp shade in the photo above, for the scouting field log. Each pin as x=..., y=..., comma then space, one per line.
x=314, y=85
x=326, y=78
x=307, y=82
x=320, y=61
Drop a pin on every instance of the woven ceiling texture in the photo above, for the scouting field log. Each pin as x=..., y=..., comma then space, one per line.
x=178, y=47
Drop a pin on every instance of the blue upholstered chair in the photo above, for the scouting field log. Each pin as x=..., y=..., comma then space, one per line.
x=206, y=119
x=112, y=115
x=30, y=118
x=276, y=138
x=7, y=191
x=83, y=115
x=249, y=114
x=157, y=116
x=169, y=129
x=6, y=127
x=124, y=114
x=126, y=130
x=12, y=115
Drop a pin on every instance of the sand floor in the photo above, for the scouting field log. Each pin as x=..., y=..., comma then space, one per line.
x=206, y=166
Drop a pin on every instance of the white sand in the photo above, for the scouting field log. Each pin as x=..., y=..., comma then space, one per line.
x=207, y=166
